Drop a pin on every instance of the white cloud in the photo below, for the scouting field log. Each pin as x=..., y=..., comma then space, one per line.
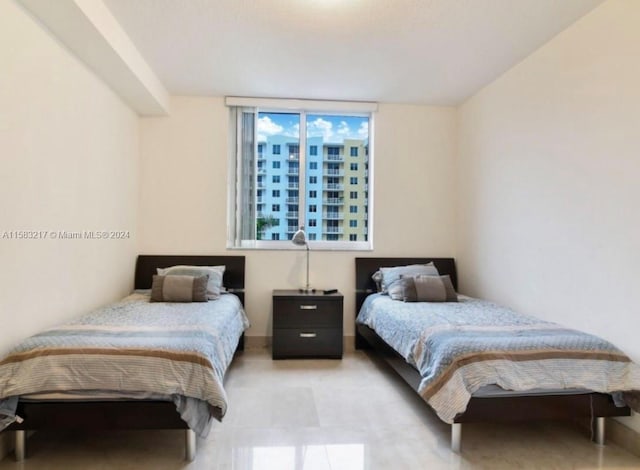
x=363, y=130
x=343, y=129
x=293, y=131
x=266, y=127
x=320, y=128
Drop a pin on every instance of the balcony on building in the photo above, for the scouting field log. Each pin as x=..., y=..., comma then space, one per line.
x=292, y=215
x=333, y=201
x=333, y=187
x=293, y=200
x=333, y=215
x=333, y=172
x=337, y=230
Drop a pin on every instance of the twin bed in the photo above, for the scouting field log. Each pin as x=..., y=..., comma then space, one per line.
x=134, y=364
x=475, y=361
x=450, y=353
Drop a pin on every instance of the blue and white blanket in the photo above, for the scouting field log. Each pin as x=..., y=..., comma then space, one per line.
x=133, y=348
x=459, y=347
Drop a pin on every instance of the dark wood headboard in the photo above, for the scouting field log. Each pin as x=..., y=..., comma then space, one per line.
x=146, y=267
x=366, y=267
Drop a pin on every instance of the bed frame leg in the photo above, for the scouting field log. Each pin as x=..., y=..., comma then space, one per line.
x=20, y=445
x=456, y=437
x=190, y=444
x=599, y=434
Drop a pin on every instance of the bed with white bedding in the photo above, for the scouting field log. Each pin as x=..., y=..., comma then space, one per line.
x=473, y=360
x=131, y=364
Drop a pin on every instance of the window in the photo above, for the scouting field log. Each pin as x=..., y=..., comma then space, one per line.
x=308, y=193
x=353, y=237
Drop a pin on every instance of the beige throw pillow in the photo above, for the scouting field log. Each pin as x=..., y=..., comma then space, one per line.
x=428, y=289
x=179, y=288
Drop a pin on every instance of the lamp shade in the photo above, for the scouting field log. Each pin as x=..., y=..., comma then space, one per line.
x=299, y=238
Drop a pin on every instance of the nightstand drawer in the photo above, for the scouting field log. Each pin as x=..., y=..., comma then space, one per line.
x=307, y=313
x=307, y=342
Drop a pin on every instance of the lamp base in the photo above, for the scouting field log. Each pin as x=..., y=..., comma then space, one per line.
x=306, y=290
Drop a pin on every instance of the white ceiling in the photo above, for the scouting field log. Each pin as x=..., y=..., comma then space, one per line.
x=405, y=51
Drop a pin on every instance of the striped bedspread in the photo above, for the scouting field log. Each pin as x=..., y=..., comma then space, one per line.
x=133, y=348
x=460, y=347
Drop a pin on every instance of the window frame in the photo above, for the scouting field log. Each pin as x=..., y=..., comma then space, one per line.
x=310, y=108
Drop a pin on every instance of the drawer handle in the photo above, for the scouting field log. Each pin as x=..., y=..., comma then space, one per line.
x=308, y=307
x=307, y=335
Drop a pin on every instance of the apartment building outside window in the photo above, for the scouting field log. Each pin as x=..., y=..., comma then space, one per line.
x=316, y=187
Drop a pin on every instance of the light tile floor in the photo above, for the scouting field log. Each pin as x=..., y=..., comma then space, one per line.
x=352, y=414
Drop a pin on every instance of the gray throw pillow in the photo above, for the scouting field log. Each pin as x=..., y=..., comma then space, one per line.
x=392, y=275
x=179, y=288
x=428, y=289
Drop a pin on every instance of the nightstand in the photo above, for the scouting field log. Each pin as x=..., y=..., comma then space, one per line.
x=307, y=325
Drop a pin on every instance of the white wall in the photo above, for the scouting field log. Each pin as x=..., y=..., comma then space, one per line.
x=549, y=180
x=68, y=153
x=183, y=209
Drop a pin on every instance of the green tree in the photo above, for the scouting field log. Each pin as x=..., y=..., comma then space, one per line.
x=263, y=223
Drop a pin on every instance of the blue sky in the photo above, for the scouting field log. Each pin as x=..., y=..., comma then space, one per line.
x=333, y=129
